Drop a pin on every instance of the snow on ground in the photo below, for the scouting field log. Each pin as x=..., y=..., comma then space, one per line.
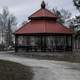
x=48, y=69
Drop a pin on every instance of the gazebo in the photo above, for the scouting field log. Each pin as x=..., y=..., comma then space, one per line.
x=43, y=33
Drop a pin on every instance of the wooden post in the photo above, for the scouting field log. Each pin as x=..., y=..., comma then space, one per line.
x=72, y=43
x=41, y=43
x=64, y=43
x=55, y=43
x=16, y=43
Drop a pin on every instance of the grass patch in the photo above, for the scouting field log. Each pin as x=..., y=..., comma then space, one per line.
x=14, y=71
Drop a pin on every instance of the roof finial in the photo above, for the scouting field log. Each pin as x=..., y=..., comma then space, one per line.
x=43, y=5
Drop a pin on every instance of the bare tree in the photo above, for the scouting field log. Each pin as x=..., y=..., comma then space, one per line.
x=62, y=14
x=7, y=20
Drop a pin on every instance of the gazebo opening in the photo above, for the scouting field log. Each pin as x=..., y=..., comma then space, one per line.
x=43, y=33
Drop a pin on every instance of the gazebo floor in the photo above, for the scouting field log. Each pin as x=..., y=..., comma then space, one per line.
x=42, y=49
x=63, y=56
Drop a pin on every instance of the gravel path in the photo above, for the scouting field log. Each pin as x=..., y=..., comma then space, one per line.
x=48, y=69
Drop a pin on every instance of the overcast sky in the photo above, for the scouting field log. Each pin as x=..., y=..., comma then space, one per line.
x=23, y=8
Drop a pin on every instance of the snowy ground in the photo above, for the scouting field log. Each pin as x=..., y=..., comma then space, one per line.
x=48, y=69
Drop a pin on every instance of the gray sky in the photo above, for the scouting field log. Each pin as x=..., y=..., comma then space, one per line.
x=23, y=8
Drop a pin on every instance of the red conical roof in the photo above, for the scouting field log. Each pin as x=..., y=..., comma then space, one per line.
x=45, y=24
x=43, y=13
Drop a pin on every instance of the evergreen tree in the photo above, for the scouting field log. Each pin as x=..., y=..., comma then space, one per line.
x=77, y=4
